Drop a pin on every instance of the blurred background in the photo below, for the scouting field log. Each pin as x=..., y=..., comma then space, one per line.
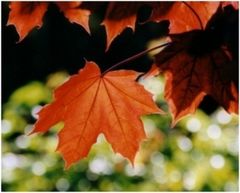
x=199, y=154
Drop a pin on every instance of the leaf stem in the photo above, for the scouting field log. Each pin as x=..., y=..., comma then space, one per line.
x=134, y=57
x=195, y=13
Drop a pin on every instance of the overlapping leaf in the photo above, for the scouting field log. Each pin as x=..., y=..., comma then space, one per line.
x=183, y=16
x=25, y=16
x=196, y=64
x=119, y=15
x=90, y=104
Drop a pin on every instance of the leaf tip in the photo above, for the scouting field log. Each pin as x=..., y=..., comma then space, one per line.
x=30, y=133
x=177, y=117
x=33, y=131
x=173, y=123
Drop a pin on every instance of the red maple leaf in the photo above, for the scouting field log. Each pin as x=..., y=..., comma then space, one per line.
x=183, y=16
x=120, y=15
x=25, y=16
x=75, y=14
x=89, y=104
x=197, y=64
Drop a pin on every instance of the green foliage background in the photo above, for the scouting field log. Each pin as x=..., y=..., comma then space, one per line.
x=199, y=154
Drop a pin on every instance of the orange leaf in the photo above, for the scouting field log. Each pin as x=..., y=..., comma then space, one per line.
x=25, y=16
x=75, y=14
x=181, y=14
x=193, y=70
x=119, y=15
x=90, y=104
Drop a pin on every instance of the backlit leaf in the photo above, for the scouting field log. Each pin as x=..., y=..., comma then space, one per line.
x=185, y=16
x=193, y=71
x=90, y=104
x=75, y=14
x=25, y=16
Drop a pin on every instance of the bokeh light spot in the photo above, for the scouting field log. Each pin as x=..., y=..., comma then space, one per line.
x=137, y=170
x=10, y=161
x=35, y=111
x=214, y=131
x=217, y=161
x=6, y=126
x=100, y=165
x=62, y=184
x=189, y=180
x=223, y=117
x=38, y=168
x=193, y=125
x=22, y=141
x=184, y=143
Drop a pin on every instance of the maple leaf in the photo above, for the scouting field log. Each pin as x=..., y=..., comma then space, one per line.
x=90, y=104
x=185, y=16
x=196, y=64
x=119, y=15
x=73, y=12
x=25, y=16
